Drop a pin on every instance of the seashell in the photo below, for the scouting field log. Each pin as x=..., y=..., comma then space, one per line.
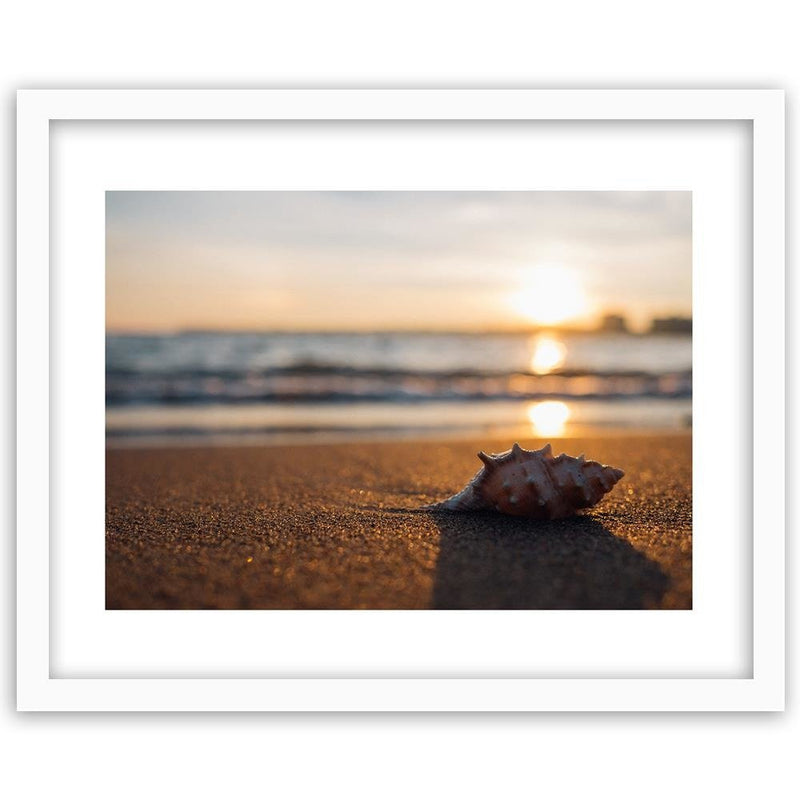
x=533, y=483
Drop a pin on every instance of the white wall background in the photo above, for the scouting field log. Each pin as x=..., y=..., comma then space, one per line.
x=350, y=43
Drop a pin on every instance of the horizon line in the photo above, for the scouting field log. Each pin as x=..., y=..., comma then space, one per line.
x=563, y=329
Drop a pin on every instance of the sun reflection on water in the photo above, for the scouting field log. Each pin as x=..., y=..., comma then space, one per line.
x=548, y=354
x=548, y=418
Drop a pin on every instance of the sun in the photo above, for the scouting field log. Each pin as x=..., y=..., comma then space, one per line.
x=550, y=295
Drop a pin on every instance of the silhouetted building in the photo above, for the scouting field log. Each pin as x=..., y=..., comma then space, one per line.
x=671, y=325
x=614, y=323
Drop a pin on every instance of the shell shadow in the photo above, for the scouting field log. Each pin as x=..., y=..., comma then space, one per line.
x=489, y=561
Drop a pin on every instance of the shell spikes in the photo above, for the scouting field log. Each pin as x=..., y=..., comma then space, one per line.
x=534, y=483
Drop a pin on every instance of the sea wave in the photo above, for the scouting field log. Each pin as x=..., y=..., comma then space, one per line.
x=334, y=383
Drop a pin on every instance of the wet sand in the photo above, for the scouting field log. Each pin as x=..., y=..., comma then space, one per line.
x=340, y=526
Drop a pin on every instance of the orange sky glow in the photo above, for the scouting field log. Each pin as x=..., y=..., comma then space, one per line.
x=394, y=260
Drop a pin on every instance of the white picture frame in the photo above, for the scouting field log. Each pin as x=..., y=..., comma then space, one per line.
x=44, y=344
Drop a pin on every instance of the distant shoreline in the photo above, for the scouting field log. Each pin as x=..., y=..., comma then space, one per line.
x=388, y=332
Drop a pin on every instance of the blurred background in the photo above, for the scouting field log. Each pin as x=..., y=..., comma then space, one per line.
x=236, y=317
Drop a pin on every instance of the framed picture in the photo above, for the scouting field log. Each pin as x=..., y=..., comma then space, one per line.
x=388, y=400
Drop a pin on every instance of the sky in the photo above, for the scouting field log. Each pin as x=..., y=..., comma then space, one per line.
x=394, y=260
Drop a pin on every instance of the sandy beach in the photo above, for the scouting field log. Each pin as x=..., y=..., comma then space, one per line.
x=340, y=526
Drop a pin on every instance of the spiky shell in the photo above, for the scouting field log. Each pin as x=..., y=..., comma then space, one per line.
x=534, y=483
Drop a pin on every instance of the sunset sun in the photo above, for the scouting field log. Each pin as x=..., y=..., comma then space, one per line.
x=550, y=295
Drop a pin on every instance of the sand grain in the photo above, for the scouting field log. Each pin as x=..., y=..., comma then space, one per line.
x=334, y=526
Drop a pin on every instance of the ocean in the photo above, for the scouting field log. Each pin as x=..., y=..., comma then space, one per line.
x=241, y=388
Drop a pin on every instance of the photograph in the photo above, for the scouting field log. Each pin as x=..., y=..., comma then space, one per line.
x=411, y=400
